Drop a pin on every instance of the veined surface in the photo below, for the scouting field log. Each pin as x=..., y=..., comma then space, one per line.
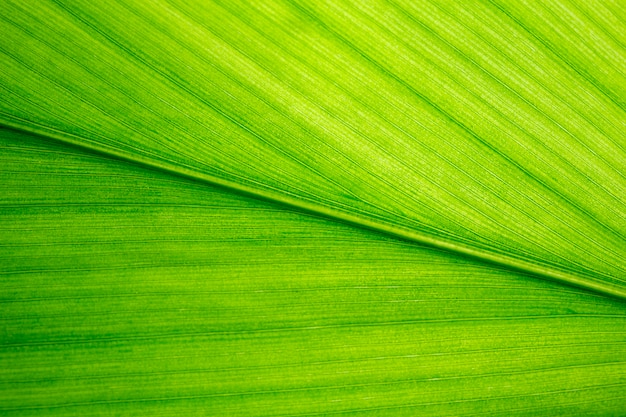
x=140, y=276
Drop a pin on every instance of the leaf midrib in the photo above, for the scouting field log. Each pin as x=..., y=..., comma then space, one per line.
x=502, y=260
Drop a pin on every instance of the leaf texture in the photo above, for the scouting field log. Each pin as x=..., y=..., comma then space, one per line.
x=312, y=208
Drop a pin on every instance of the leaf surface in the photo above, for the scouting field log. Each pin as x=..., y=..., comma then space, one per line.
x=312, y=208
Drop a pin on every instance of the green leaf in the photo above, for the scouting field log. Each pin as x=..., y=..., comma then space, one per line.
x=312, y=207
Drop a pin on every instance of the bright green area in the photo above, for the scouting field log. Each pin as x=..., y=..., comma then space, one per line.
x=494, y=127
x=127, y=291
x=283, y=208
